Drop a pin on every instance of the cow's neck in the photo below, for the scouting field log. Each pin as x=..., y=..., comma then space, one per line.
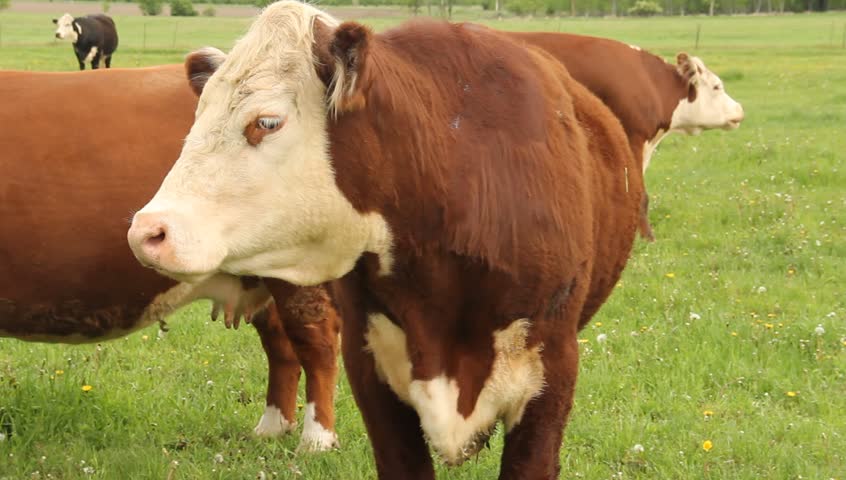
x=672, y=88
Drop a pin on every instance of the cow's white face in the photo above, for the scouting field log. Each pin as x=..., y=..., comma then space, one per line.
x=65, y=28
x=254, y=192
x=711, y=106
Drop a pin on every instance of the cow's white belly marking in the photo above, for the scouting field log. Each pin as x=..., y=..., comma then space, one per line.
x=516, y=377
x=91, y=54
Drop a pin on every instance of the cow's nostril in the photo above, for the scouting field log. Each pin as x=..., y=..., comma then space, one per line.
x=155, y=238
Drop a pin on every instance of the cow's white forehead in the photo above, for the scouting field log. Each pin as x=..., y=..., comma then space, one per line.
x=65, y=20
x=278, y=42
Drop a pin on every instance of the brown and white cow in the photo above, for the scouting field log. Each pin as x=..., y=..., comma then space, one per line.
x=650, y=97
x=67, y=190
x=473, y=202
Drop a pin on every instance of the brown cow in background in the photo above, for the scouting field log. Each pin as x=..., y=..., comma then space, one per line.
x=71, y=176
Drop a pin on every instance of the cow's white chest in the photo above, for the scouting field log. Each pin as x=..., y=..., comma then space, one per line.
x=516, y=377
x=649, y=147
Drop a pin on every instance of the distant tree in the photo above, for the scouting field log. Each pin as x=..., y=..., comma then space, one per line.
x=182, y=8
x=645, y=8
x=209, y=11
x=150, y=7
x=4, y=4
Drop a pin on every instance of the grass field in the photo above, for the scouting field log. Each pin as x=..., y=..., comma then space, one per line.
x=729, y=329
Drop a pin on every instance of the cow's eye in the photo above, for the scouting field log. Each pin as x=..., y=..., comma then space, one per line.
x=256, y=130
x=269, y=123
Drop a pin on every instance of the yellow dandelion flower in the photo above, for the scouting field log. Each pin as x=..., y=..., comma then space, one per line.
x=771, y=315
x=791, y=271
x=780, y=324
x=843, y=342
x=792, y=393
x=768, y=325
x=707, y=413
x=733, y=334
x=707, y=445
x=145, y=337
x=87, y=388
x=583, y=340
x=598, y=324
x=60, y=372
x=205, y=362
x=667, y=216
x=670, y=275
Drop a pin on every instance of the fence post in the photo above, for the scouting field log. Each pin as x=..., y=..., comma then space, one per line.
x=698, y=29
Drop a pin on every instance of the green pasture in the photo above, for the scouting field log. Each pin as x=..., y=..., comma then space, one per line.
x=730, y=329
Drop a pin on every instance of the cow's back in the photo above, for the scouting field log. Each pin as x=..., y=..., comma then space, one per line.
x=615, y=72
x=80, y=153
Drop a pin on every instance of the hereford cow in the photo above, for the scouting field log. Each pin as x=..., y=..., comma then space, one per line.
x=650, y=97
x=473, y=202
x=67, y=191
x=93, y=37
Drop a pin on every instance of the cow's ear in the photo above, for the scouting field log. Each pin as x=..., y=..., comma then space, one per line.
x=687, y=67
x=200, y=65
x=341, y=59
x=689, y=71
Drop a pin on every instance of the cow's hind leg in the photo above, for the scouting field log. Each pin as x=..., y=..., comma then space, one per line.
x=532, y=446
x=392, y=426
x=312, y=326
x=108, y=60
x=644, y=226
x=283, y=375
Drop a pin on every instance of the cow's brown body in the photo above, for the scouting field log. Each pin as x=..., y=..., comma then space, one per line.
x=525, y=207
x=79, y=153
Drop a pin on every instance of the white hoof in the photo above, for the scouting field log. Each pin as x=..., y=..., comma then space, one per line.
x=316, y=438
x=273, y=423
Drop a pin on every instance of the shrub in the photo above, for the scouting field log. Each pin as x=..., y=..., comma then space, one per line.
x=209, y=11
x=150, y=7
x=182, y=8
x=107, y=5
x=524, y=7
x=4, y=4
x=645, y=8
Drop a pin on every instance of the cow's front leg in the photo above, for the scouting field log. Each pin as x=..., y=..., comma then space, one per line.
x=283, y=376
x=81, y=64
x=532, y=446
x=312, y=325
x=392, y=426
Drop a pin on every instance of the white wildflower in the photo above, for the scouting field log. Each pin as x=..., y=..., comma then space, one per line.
x=218, y=458
x=638, y=448
x=695, y=316
x=601, y=338
x=820, y=331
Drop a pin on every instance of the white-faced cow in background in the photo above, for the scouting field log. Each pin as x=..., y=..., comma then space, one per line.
x=651, y=97
x=94, y=37
x=473, y=203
